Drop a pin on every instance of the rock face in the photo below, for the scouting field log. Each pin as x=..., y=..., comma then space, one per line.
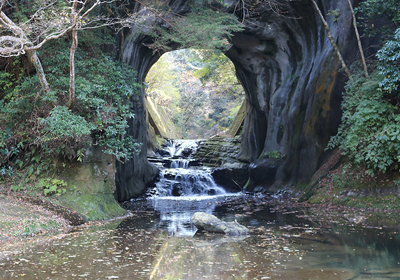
x=220, y=152
x=262, y=173
x=289, y=71
x=210, y=223
x=222, y=155
x=93, y=184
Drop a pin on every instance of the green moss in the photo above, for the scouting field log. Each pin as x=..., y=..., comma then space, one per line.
x=389, y=202
x=93, y=206
x=161, y=141
x=301, y=187
x=91, y=186
x=316, y=199
x=382, y=217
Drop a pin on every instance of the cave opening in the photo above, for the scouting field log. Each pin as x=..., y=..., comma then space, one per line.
x=192, y=94
x=288, y=70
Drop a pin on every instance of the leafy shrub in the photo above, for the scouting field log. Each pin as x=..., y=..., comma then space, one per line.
x=52, y=186
x=389, y=55
x=370, y=128
x=35, y=127
x=371, y=13
x=62, y=123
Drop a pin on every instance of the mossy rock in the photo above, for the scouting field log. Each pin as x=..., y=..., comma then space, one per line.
x=91, y=186
x=93, y=206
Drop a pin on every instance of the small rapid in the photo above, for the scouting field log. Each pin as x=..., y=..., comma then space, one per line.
x=183, y=176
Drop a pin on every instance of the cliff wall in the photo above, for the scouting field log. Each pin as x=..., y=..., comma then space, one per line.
x=292, y=81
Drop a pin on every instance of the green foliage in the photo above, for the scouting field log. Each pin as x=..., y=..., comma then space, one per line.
x=62, y=123
x=335, y=14
x=198, y=89
x=6, y=171
x=18, y=188
x=274, y=155
x=80, y=154
x=389, y=56
x=36, y=127
x=202, y=28
x=51, y=186
x=370, y=132
x=370, y=11
x=121, y=148
x=370, y=128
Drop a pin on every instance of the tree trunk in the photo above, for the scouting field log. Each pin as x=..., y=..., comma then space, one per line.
x=34, y=59
x=335, y=47
x=359, y=41
x=74, y=45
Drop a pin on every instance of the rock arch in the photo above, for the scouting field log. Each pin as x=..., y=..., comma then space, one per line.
x=293, y=89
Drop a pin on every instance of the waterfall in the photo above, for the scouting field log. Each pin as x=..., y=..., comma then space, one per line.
x=177, y=147
x=180, y=163
x=180, y=178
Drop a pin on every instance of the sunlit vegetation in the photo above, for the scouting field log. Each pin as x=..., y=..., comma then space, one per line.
x=198, y=89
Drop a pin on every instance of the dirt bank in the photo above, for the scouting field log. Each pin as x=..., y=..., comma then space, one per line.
x=21, y=223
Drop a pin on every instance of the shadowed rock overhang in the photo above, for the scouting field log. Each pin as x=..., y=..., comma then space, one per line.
x=289, y=72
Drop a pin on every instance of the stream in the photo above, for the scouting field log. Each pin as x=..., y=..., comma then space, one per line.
x=158, y=241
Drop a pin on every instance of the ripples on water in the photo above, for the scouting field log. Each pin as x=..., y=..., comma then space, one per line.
x=159, y=242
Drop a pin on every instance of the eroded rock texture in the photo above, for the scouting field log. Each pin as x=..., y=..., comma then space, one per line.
x=289, y=71
x=290, y=74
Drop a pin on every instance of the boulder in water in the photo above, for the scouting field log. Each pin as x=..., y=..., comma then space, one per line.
x=210, y=223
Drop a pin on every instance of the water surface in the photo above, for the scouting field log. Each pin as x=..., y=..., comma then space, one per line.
x=159, y=242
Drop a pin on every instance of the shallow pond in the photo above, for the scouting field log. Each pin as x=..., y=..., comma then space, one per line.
x=159, y=242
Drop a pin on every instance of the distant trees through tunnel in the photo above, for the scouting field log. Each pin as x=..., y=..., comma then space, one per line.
x=197, y=89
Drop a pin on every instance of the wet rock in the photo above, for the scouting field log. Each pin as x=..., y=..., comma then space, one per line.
x=176, y=190
x=220, y=152
x=210, y=223
x=262, y=173
x=232, y=180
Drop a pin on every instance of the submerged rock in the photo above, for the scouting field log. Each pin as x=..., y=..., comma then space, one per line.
x=210, y=223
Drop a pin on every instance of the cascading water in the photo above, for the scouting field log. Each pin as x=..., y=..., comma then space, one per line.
x=179, y=176
x=177, y=148
x=185, y=187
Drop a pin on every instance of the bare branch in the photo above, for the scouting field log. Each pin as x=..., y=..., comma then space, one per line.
x=335, y=47
x=11, y=46
x=51, y=37
x=358, y=41
x=89, y=10
x=38, y=11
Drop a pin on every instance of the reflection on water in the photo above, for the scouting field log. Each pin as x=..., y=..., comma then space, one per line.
x=176, y=212
x=158, y=244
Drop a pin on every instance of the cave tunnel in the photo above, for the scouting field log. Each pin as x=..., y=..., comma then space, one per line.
x=293, y=88
x=193, y=94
